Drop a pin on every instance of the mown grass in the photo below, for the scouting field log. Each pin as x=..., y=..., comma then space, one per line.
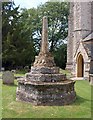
x=68, y=73
x=81, y=108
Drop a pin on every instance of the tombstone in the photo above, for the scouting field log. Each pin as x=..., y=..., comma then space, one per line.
x=26, y=68
x=8, y=78
x=13, y=71
x=2, y=69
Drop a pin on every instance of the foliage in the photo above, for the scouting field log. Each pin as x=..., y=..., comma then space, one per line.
x=60, y=56
x=57, y=13
x=17, y=51
x=22, y=32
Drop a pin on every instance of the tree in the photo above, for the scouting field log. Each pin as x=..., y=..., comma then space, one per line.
x=22, y=32
x=57, y=13
x=17, y=51
x=60, y=56
x=9, y=22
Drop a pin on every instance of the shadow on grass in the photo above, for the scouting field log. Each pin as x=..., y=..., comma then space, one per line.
x=12, y=85
x=79, y=100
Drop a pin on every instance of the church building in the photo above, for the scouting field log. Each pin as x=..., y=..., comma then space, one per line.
x=80, y=39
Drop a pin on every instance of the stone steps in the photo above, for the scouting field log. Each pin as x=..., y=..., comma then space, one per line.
x=45, y=77
x=44, y=70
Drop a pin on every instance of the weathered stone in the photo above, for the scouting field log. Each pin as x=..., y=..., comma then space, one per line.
x=8, y=77
x=44, y=70
x=44, y=41
x=80, y=39
x=45, y=77
x=44, y=85
x=44, y=59
x=46, y=93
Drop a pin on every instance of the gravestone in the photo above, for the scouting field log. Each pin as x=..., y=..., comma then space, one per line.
x=8, y=78
x=13, y=71
x=26, y=68
x=2, y=69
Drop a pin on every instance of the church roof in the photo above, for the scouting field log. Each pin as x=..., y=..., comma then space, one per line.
x=87, y=44
x=88, y=38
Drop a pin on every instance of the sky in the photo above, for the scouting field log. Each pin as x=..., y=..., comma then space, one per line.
x=29, y=3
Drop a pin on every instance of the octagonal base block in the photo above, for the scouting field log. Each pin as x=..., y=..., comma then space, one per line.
x=47, y=94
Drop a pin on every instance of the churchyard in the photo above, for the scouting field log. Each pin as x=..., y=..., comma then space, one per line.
x=81, y=108
x=42, y=89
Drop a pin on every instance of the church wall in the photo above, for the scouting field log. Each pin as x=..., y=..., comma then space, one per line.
x=85, y=18
x=70, y=40
x=86, y=59
x=82, y=26
x=91, y=63
x=76, y=32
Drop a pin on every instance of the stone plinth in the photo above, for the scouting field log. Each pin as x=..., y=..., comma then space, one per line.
x=42, y=93
x=44, y=70
x=44, y=60
x=45, y=77
x=44, y=85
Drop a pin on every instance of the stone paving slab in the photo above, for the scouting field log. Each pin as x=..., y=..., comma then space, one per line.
x=78, y=78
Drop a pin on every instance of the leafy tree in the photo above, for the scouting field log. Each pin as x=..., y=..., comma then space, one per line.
x=17, y=51
x=22, y=32
x=9, y=22
x=60, y=56
x=57, y=13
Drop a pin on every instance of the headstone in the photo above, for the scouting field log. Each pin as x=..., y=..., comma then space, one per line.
x=8, y=77
x=2, y=69
x=13, y=71
x=26, y=68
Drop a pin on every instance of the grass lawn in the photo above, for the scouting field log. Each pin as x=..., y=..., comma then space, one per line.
x=81, y=108
x=0, y=73
x=68, y=73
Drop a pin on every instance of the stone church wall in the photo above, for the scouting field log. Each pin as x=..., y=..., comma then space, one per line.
x=70, y=39
x=80, y=26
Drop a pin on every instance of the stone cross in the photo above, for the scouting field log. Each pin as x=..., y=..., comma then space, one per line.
x=44, y=41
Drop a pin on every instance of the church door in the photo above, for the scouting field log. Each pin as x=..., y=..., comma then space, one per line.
x=80, y=66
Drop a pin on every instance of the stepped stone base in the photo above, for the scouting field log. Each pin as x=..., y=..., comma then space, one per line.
x=44, y=85
x=44, y=70
x=45, y=74
x=45, y=77
x=46, y=93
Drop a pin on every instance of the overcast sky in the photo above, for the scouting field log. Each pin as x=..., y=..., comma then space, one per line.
x=29, y=3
